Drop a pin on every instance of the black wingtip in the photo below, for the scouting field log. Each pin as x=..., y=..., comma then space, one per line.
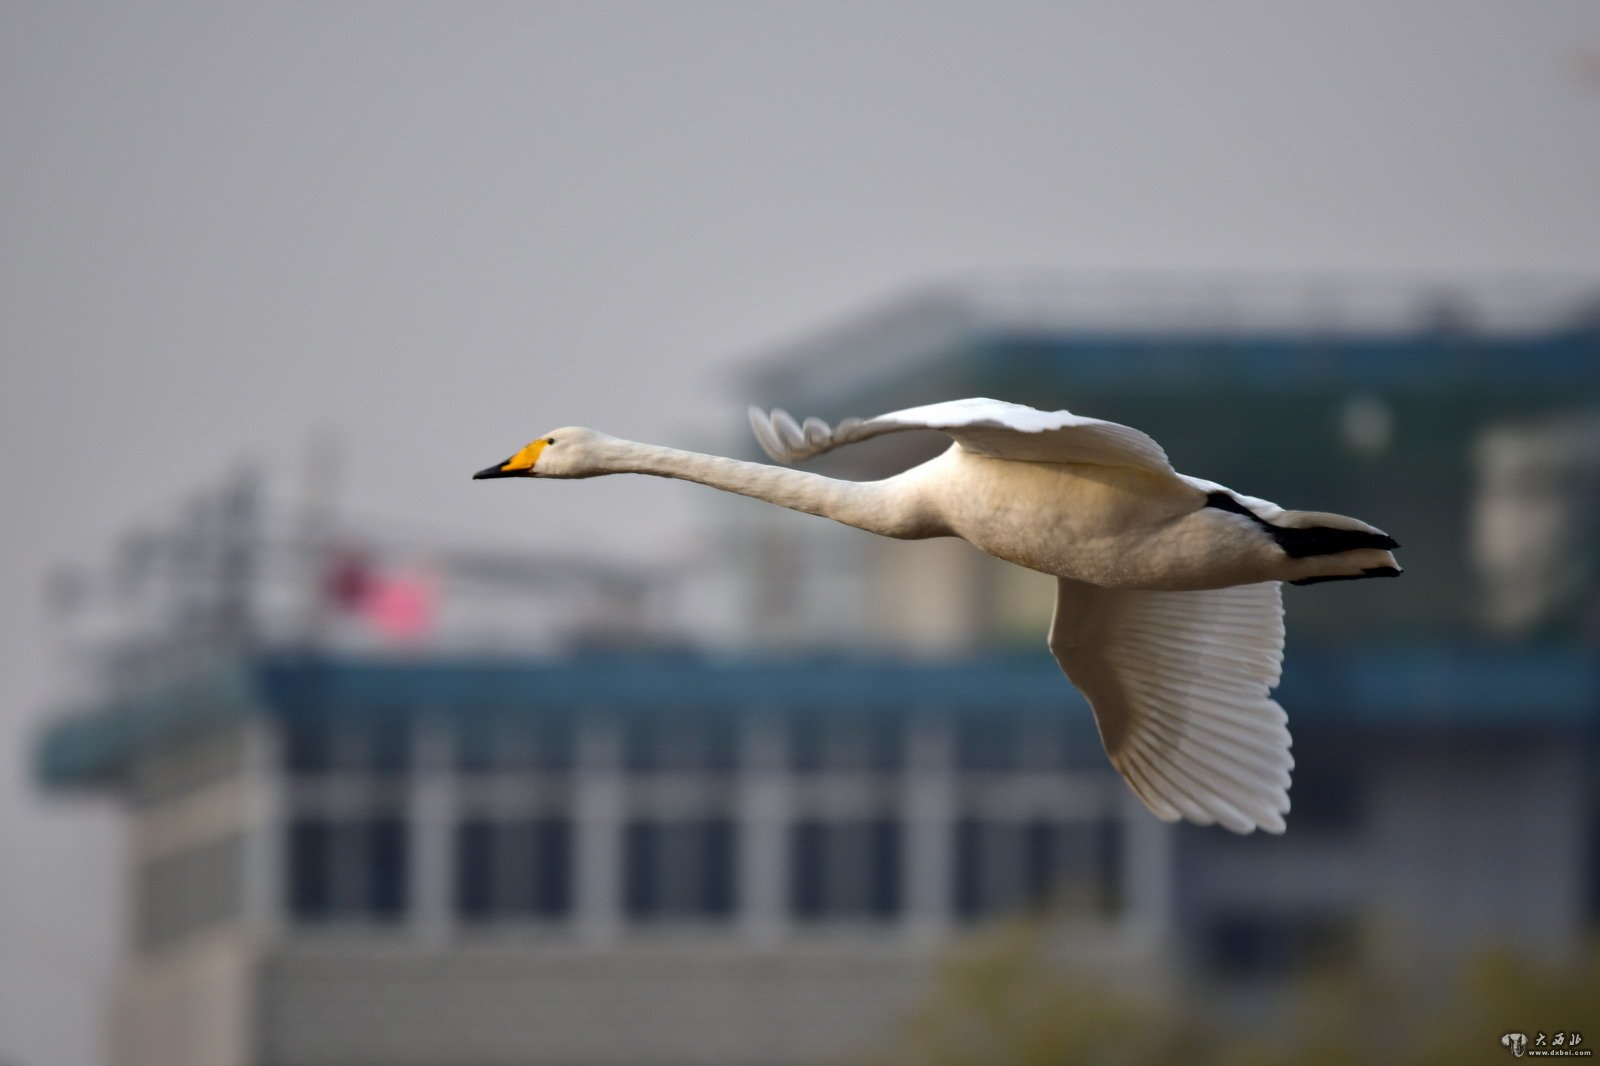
x=1327, y=540
x=1300, y=542
x=1371, y=571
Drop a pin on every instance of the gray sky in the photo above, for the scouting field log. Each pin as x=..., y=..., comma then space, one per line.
x=443, y=230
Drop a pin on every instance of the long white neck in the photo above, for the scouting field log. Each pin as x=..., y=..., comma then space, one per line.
x=882, y=507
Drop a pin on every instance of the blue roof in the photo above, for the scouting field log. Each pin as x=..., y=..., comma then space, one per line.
x=1451, y=688
x=1540, y=365
x=962, y=338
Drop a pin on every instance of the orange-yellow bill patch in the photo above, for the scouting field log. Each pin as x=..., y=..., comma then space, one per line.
x=525, y=459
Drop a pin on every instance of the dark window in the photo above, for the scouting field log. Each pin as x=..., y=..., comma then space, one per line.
x=846, y=869
x=310, y=869
x=809, y=889
x=348, y=869
x=986, y=745
x=1047, y=744
x=719, y=863
x=680, y=744
x=1256, y=946
x=1594, y=861
x=378, y=745
x=549, y=890
x=866, y=742
x=969, y=868
x=1040, y=856
x=680, y=869
x=1326, y=790
x=514, y=869
x=308, y=746
x=516, y=743
x=1109, y=864
x=642, y=876
x=475, y=869
x=1010, y=744
x=386, y=848
x=387, y=746
x=1001, y=866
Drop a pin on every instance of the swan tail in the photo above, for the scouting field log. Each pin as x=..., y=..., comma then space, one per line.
x=1305, y=533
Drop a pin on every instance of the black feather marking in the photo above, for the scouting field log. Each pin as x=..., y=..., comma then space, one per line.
x=1371, y=571
x=1300, y=543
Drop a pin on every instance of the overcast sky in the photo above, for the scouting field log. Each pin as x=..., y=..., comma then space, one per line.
x=443, y=230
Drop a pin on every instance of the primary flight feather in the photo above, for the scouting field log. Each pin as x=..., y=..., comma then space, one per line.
x=1168, y=611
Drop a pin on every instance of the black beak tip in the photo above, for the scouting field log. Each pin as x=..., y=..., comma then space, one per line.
x=494, y=471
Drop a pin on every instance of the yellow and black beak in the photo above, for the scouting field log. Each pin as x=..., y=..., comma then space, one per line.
x=519, y=465
x=502, y=469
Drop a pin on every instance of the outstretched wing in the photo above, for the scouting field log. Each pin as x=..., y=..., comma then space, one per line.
x=988, y=427
x=1179, y=683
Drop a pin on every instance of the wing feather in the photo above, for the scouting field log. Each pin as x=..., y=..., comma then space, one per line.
x=1133, y=770
x=1180, y=685
x=1240, y=763
x=1170, y=786
x=988, y=427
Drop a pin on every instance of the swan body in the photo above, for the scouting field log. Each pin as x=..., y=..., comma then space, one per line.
x=1168, y=612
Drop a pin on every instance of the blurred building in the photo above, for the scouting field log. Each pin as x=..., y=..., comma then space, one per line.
x=607, y=858
x=362, y=833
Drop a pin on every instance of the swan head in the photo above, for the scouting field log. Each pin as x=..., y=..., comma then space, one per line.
x=569, y=452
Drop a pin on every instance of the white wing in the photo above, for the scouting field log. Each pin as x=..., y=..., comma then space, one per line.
x=988, y=427
x=1266, y=510
x=1179, y=683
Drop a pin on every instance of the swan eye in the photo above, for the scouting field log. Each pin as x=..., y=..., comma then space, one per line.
x=549, y=440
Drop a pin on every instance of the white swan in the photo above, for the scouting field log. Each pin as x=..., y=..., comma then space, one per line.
x=1168, y=611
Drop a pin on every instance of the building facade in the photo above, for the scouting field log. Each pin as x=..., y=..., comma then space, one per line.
x=612, y=859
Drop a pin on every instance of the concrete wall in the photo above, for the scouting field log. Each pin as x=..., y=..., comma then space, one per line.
x=188, y=1005
x=661, y=1004
x=184, y=992
x=704, y=999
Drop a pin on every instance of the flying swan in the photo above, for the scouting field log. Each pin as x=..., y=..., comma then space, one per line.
x=1168, y=616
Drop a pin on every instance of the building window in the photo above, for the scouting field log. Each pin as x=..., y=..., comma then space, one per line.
x=308, y=746
x=845, y=869
x=868, y=742
x=1015, y=744
x=1072, y=865
x=1256, y=946
x=1327, y=790
x=680, y=869
x=190, y=891
x=515, y=743
x=514, y=869
x=680, y=744
x=347, y=869
x=379, y=745
x=1594, y=861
